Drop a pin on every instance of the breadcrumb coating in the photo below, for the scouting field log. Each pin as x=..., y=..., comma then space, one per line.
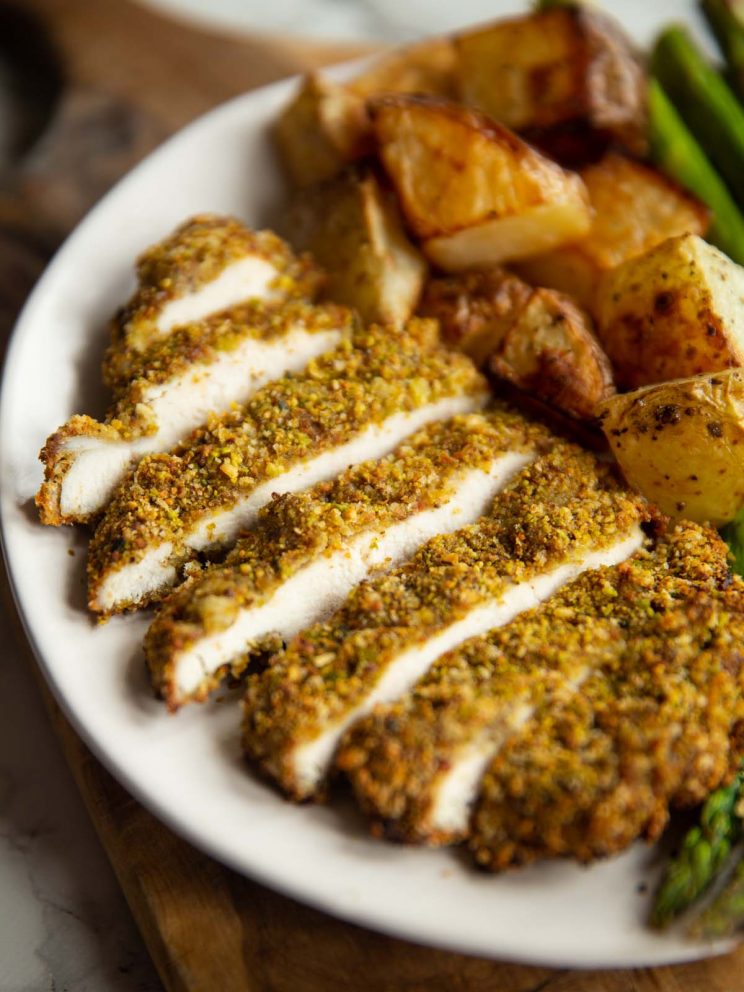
x=398, y=756
x=375, y=374
x=297, y=528
x=193, y=255
x=191, y=347
x=554, y=510
x=653, y=726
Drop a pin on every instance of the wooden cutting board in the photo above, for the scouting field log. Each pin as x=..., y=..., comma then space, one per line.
x=130, y=79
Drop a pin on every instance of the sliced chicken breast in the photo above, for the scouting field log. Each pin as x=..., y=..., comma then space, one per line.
x=416, y=765
x=653, y=729
x=559, y=516
x=208, y=264
x=201, y=369
x=350, y=405
x=309, y=550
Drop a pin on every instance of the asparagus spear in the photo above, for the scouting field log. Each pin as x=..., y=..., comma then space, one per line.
x=726, y=20
x=703, y=853
x=733, y=535
x=706, y=103
x=725, y=914
x=675, y=151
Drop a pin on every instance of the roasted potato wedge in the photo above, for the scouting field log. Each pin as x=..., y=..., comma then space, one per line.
x=635, y=208
x=550, y=351
x=681, y=444
x=566, y=78
x=675, y=311
x=325, y=127
x=475, y=309
x=428, y=67
x=352, y=227
x=470, y=189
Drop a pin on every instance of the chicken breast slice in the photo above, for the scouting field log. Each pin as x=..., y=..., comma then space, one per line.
x=416, y=765
x=309, y=550
x=350, y=405
x=559, y=516
x=652, y=729
x=201, y=369
x=208, y=264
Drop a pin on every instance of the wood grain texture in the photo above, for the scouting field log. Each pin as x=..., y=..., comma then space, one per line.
x=133, y=78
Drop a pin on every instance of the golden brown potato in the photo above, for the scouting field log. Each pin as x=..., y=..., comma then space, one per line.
x=353, y=228
x=635, y=208
x=428, y=67
x=324, y=127
x=475, y=309
x=550, y=351
x=675, y=311
x=567, y=79
x=470, y=189
x=681, y=443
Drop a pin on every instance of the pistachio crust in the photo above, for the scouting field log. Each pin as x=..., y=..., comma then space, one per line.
x=297, y=528
x=553, y=511
x=193, y=255
x=545, y=661
x=375, y=374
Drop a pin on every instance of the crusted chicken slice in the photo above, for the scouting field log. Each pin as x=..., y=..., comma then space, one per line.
x=561, y=515
x=416, y=765
x=653, y=727
x=208, y=264
x=350, y=405
x=176, y=383
x=308, y=550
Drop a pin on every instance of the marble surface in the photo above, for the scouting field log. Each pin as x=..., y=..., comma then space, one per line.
x=64, y=925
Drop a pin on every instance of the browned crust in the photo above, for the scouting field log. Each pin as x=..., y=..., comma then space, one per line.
x=555, y=508
x=194, y=254
x=297, y=528
x=397, y=757
x=57, y=459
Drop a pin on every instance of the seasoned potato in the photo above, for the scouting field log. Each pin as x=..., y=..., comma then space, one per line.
x=321, y=130
x=566, y=78
x=635, y=208
x=353, y=228
x=675, y=311
x=470, y=189
x=551, y=352
x=475, y=309
x=428, y=67
x=681, y=443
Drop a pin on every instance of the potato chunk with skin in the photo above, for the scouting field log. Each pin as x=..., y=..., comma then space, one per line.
x=323, y=129
x=428, y=67
x=470, y=189
x=681, y=444
x=475, y=309
x=550, y=351
x=635, y=208
x=675, y=311
x=353, y=229
x=567, y=79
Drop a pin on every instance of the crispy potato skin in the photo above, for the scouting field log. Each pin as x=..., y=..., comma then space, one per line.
x=428, y=67
x=673, y=312
x=567, y=79
x=635, y=207
x=536, y=339
x=476, y=309
x=352, y=227
x=325, y=127
x=681, y=444
x=551, y=352
x=470, y=188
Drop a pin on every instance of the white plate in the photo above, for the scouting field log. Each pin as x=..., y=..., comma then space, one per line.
x=187, y=769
